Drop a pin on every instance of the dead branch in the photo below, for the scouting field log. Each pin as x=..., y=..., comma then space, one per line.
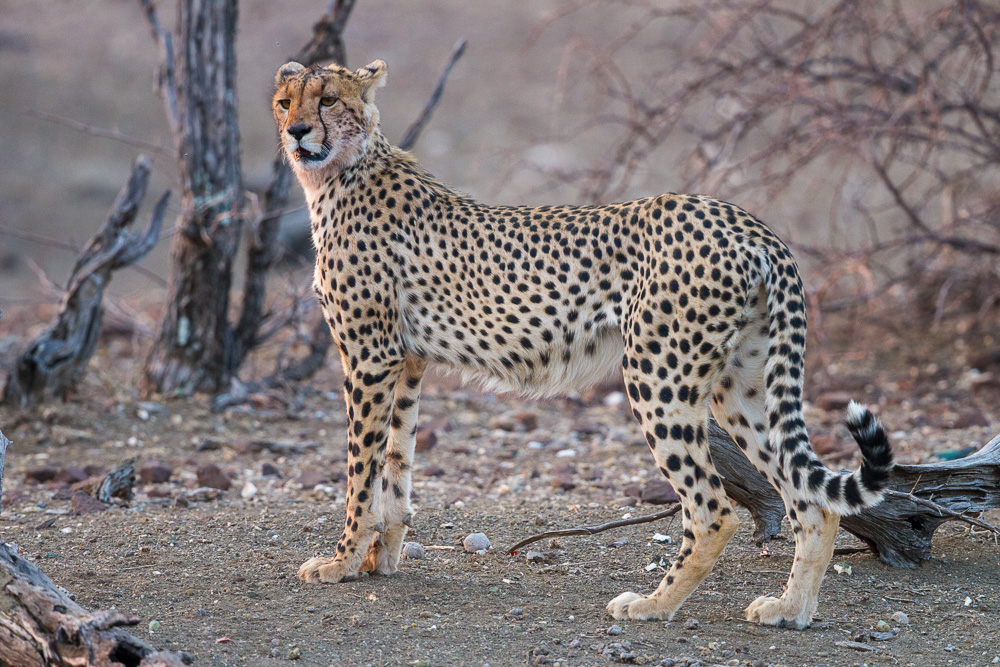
x=593, y=530
x=417, y=127
x=54, y=362
x=104, y=133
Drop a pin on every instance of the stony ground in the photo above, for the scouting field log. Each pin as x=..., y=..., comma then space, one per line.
x=213, y=570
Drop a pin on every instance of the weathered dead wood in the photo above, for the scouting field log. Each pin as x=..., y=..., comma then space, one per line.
x=899, y=529
x=40, y=626
x=53, y=363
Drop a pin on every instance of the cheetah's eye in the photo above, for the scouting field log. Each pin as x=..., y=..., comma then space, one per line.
x=284, y=104
x=328, y=101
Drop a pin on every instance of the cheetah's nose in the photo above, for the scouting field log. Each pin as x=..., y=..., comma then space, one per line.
x=298, y=130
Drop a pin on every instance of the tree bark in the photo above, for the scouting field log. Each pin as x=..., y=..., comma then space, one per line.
x=54, y=362
x=40, y=626
x=898, y=530
x=193, y=351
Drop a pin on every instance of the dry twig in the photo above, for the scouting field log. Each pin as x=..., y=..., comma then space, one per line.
x=593, y=530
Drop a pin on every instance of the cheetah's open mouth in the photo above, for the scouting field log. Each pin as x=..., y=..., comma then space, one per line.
x=306, y=155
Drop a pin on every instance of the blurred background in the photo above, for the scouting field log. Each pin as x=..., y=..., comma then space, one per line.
x=865, y=133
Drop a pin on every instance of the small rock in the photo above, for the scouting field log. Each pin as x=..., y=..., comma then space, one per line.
x=619, y=543
x=658, y=492
x=310, y=478
x=540, y=520
x=426, y=440
x=564, y=481
x=503, y=423
x=70, y=475
x=528, y=420
x=516, y=614
x=882, y=636
x=155, y=472
x=535, y=557
x=882, y=626
x=294, y=653
x=158, y=492
x=268, y=469
x=41, y=474
x=434, y=471
x=900, y=618
x=211, y=476
x=93, y=470
x=476, y=542
x=413, y=551
x=249, y=490
x=691, y=624
x=84, y=504
x=181, y=502
x=632, y=491
x=833, y=400
x=614, y=630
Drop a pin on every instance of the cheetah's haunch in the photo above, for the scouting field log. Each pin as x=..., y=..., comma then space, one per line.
x=698, y=300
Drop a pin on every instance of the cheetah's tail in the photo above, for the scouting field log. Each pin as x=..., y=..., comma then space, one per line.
x=876, y=454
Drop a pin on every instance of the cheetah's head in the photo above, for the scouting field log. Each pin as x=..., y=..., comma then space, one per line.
x=325, y=115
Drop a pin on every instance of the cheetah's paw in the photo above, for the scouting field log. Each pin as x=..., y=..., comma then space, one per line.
x=778, y=612
x=619, y=607
x=326, y=571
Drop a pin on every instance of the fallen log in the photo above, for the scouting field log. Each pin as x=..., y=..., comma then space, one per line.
x=899, y=530
x=40, y=626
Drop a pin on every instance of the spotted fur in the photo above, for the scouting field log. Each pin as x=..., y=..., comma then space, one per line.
x=696, y=299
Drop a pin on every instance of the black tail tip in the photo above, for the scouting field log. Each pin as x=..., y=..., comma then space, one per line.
x=876, y=454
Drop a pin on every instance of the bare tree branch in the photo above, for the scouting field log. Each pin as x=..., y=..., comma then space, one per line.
x=104, y=133
x=413, y=132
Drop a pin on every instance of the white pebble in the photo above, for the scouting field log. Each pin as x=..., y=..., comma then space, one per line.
x=613, y=630
x=900, y=618
x=476, y=542
x=249, y=490
x=614, y=399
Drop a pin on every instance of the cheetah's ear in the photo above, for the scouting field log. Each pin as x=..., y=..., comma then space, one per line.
x=287, y=70
x=370, y=77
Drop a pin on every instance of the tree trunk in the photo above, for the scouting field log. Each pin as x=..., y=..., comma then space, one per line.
x=194, y=348
x=40, y=626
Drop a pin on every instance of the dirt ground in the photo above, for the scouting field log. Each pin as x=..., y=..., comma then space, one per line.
x=218, y=575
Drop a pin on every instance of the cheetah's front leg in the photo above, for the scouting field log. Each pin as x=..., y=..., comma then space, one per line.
x=369, y=391
x=383, y=555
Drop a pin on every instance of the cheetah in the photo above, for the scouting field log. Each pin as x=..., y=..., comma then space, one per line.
x=700, y=303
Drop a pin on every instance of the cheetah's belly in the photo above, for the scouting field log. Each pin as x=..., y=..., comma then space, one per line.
x=536, y=356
